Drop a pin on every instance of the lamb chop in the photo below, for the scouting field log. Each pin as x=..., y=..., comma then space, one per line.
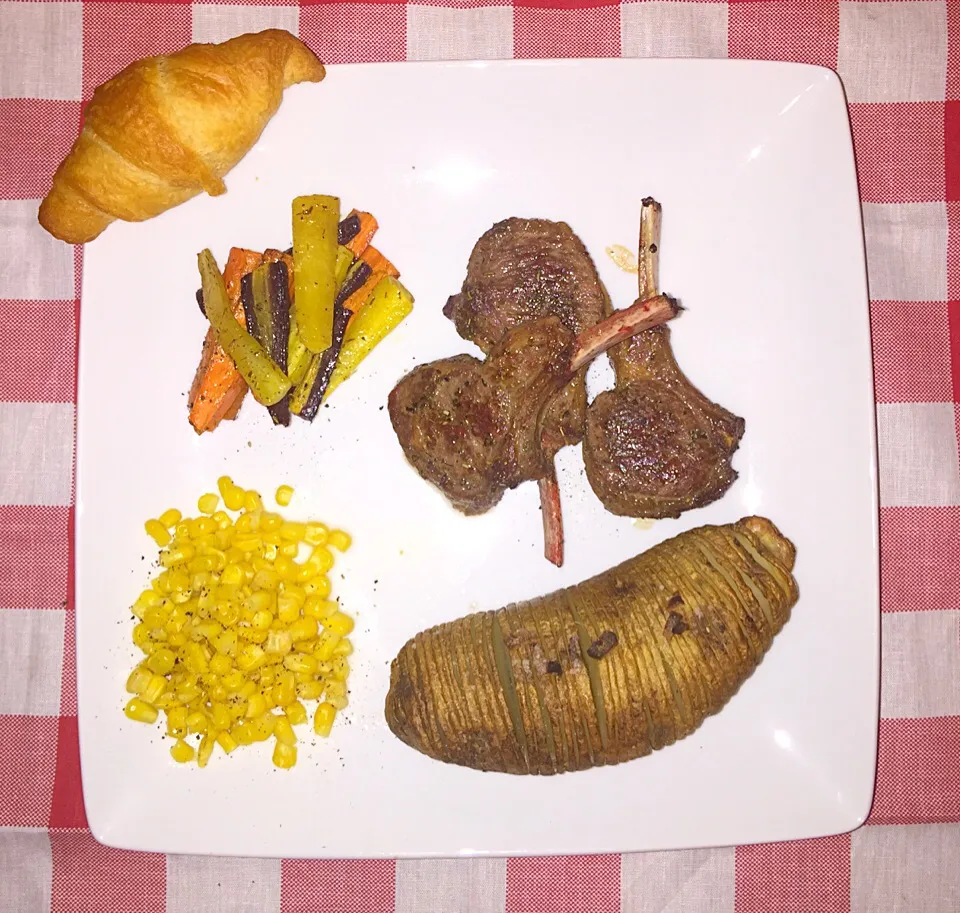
x=475, y=428
x=521, y=270
x=655, y=446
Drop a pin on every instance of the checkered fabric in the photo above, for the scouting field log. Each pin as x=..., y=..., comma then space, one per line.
x=900, y=64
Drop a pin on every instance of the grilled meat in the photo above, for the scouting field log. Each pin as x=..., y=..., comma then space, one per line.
x=655, y=446
x=474, y=428
x=521, y=270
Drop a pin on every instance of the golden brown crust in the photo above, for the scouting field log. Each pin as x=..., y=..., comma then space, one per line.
x=606, y=671
x=168, y=128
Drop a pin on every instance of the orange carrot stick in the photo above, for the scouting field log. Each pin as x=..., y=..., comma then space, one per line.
x=376, y=261
x=380, y=266
x=218, y=389
x=368, y=228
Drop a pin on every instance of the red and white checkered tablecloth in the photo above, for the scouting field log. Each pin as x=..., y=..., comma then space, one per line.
x=900, y=64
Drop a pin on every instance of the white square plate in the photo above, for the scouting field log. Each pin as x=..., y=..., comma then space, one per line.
x=761, y=242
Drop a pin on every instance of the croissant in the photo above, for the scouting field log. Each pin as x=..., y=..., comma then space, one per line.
x=166, y=128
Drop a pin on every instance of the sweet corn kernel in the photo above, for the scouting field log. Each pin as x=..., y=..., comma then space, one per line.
x=283, y=693
x=318, y=586
x=221, y=664
x=284, y=495
x=170, y=518
x=293, y=531
x=319, y=608
x=149, y=598
x=303, y=628
x=309, y=690
x=205, y=750
x=339, y=540
x=296, y=713
x=270, y=522
x=188, y=692
x=323, y=718
x=166, y=700
x=285, y=567
x=161, y=661
x=220, y=715
x=284, y=756
x=267, y=579
x=344, y=648
x=139, y=680
x=300, y=662
x=294, y=592
x=316, y=534
x=241, y=733
x=338, y=623
x=248, y=523
x=208, y=503
x=229, y=613
x=232, y=575
x=288, y=610
x=140, y=711
x=158, y=532
x=278, y=643
x=226, y=741
x=151, y=694
x=177, y=721
x=340, y=670
x=321, y=558
x=197, y=722
x=338, y=702
x=231, y=639
x=232, y=494
x=284, y=731
x=249, y=657
x=336, y=688
x=262, y=727
x=262, y=619
x=234, y=681
x=256, y=706
x=328, y=643
x=181, y=752
x=203, y=526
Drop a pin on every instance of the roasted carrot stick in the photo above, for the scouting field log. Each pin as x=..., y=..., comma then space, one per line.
x=218, y=389
x=368, y=228
x=379, y=266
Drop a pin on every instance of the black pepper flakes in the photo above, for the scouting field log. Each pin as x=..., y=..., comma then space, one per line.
x=554, y=668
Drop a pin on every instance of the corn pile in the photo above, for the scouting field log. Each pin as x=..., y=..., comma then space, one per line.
x=238, y=629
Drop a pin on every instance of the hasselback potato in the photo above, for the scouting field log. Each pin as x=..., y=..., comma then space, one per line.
x=602, y=672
